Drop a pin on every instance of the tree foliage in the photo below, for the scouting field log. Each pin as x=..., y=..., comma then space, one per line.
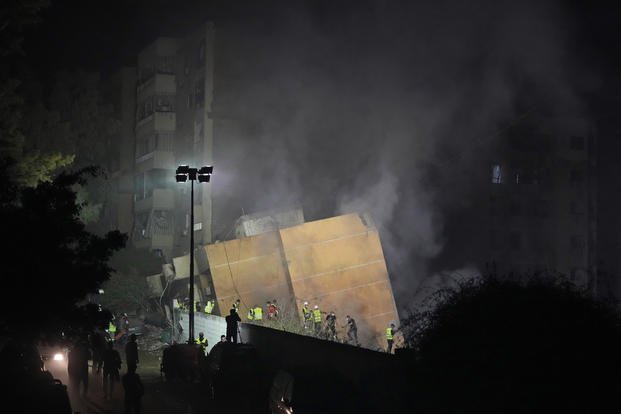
x=51, y=263
x=495, y=345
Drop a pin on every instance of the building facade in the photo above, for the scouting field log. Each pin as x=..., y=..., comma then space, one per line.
x=542, y=206
x=173, y=127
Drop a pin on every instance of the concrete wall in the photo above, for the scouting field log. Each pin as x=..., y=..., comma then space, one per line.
x=330, y=376
x=212, y=326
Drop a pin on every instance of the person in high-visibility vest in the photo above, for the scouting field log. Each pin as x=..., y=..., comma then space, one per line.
x=306, y=313
x=390, y=332
x=317, y=320
x=112, y=330
x=202, y=341
x=209, y=306
x=258, y=313
x=250, y=314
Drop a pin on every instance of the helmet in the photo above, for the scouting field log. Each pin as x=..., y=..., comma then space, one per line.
x=316, y=307
x=305, y=303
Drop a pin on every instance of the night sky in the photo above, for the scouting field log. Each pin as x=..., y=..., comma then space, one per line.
x=380, y=106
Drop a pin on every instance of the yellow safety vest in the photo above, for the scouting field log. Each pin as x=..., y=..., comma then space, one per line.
x=209, y=306
x=111, y=328
x=389, y=334
x=317, y=315
x=258, y=313
x=202, y=343
x=250, y=314
x=306, y=312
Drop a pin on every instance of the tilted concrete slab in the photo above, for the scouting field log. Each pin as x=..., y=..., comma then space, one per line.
x=335, y=263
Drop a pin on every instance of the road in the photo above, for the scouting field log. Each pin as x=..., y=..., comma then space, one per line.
x=160, y=397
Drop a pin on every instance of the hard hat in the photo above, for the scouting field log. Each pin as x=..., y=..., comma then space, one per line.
x=316, y=307
x=306, y=303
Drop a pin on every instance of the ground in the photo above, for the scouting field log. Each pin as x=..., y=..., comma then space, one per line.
x=160, y=397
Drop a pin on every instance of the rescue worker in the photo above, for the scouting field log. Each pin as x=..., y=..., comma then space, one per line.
x=202, y=342
x=112, y=331
x=271, y=310
x=331, y=326
x=236, y=305
x=125, y=322
x=258, y=313
x=306, y=312
x=250, y=314
x=352, y=331
x=275, y=305
x=390, y=333
x=317, y=320
x=209, y=307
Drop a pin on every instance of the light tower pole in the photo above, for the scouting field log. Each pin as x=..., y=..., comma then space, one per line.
x=183, y=174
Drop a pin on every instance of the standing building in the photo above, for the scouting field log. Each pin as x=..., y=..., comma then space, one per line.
x=173, y=126
x=542, y=210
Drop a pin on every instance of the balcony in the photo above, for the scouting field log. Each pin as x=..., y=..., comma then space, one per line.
x=155, y=159
x=158, y=84
x=156, y=121
x=157, y=241
x=160, y=199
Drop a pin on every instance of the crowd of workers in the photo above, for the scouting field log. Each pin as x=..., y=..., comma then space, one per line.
x=313, y=321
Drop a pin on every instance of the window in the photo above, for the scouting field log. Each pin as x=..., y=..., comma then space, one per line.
x=141, y=226
x=139, y=187
x=515, y=240
x=494, y=205
x=515, y=209
x=575, y=177
x=577, y=243
x=199, y=93
x=164, y=104
x=543, y=208
x=576, y=208
x=496, y=174
x=200, y=61
x=576, y=143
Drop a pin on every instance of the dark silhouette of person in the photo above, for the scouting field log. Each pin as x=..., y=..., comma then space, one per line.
x=232, y=320
x=111, y=366
x=352, y=330
x=77, y=366
x=134, y=390
x=131, y=353
x=98, y=346
x=331, y=326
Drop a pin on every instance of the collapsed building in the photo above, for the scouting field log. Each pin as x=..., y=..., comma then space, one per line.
x=335, y=263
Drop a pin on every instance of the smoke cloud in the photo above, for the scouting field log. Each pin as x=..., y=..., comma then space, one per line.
x=387, y=108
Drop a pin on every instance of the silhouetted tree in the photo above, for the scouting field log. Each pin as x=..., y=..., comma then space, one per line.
x=498, y=346
x=50, y=262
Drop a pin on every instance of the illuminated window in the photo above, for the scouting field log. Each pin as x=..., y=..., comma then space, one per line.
x=496, y=174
